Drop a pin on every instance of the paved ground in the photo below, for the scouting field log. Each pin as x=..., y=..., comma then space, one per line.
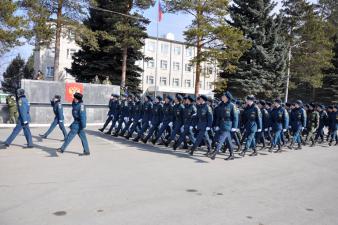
x=124, y=183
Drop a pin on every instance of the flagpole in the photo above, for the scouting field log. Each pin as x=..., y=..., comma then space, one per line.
x=156, y=57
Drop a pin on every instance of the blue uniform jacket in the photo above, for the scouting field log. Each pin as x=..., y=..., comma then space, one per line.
x=79, y=115
x=204, y=116
x=58, y=110
x=23, y=108
x=168, y=113
x=157, y=114
x=279, y=119
x=227, y=118
x=298, y=118
x=124, y=109
x=265, y=119
x=333, y=120
x=137, y=111
x=147, y=111
x=179, y=114
x=252, y=118
x=189, y=114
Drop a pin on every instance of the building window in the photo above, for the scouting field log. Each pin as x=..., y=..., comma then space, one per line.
x=164, y=64
x=49, y=71
x=177, y=50
x=150, y=79
x=151, y=46
x=164, y=49
x=187, y=83
x=71, y=35
x=188, y=67
x=201, y=84
x=151, y=64
x=209, y=70
x=163, y=81
x=176, y=66
x=70, y=53
x=176, y=82
x=189, y=52
x=209, y=85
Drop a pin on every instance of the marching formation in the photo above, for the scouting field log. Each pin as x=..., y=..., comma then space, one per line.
x=227, y=124
x=189, y=123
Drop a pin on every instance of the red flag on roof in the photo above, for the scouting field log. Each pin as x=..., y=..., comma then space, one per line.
x=160, y=11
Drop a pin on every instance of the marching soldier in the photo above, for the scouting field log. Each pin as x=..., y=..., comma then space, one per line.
x=298, y=123
x=113, y=107
x=136, y=117
x=12, y=109
x=313, y=124
x=279, y=123
x=333, y=124
x=59, y=118
x=156, y=120
x=131, y=113
x=123, y=115
x=23, y=120
x=322, y=123
x=78, y=125
x=146, y=117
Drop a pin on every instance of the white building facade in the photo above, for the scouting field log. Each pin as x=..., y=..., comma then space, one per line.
x=168, y=72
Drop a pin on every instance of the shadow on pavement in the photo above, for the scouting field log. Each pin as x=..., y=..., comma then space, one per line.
x=145, y=147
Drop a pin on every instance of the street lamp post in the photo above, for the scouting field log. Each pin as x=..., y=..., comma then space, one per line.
x=288, y=76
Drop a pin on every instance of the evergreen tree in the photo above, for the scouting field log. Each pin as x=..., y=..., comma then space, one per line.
x=261, y=70
x=28, y=70
x=101, y=52
x=13, y=75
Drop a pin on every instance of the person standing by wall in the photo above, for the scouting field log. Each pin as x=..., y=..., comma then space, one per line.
x=12, y=109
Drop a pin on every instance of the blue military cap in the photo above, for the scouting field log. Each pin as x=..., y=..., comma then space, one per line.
x=262, y=102
x=191, y=98
x=159, y=98
x=238, y=102
x=299, y=102
x=278, y=101
x=204, y=97
x=179, y=97
x=228, y=95
x=78, y=96
x=169, y=98
x=149, y=98
x=20, y=92
x=288, y=104
x=57, y=97
x=268, y=103
x=330, y=107
x=313, y=105
x=185, y=97
x=250, y=98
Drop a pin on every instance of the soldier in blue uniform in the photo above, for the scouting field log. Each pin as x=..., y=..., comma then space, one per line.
x=279, y=123
x=168, y=117
x=298, y=123
x=252, y=119
x=123, y=115
x=178, y=119
x=116, y=113
x=113, y=102
x=136, y=117
x=23, y=120
x=204, y=124
x=227, y=121
x=146, y=117
x=132, y=111
x=262, y=136
x=59, y=118
x=333, y=124
x=322, y=123
x=78, y=125
x=156, y=120
x=189, y=114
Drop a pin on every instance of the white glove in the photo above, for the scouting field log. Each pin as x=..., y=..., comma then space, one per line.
x=284, y=130
x=170, y=124
x=191, y=127
x=126, y=119
x=233, y=129
x=60, y=121
x=216, y=128
x=303, y=128
x=25, y=122
x=140, y=120
x=208, y=128
x=266, y=129
x=160, y=124
x=270, y=128
x=259, y=130
x=182, y=129
x=289, y=127
x=111, y=115
x=150, y=123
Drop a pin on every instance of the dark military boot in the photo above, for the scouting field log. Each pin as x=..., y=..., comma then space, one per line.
x=101, y=129
x=271, y=149
x=299, y=147
x=254, y=152
x=191, y=152
x=144, y=140
x=239, y=148
x=279, y=150
x=153, y=141
x=213, y=155
x=231, y=157
x=243, y=152
x=43, y=136
x=175, y=146
x=291, y=145
x=128, y=136
x=137, y=139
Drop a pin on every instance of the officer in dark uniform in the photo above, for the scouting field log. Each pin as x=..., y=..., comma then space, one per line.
x=178, y=119
x=59, y=118
x=113, y=102
x=23, y=120
x=189, y=114
x=322, y=123
x=116, y=113
x=156, y=120
x=124, y=115
x=265, y=123
x=168, y=118
x=279, y=122
x=78, y=125
x=146, y=117
x=136, y=117
x=333, y=124
x=313, y=124
x=227, y=120
x=252, y=119
x=204, y=124
x=132, y=111
x=236, y=135
x=298, y=123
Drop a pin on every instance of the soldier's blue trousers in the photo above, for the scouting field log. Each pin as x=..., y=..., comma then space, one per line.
x=16, y=131
x=133, y=128
x=320, y=133
x=53, y=125
x=297, y=135
x=186, y=133
x=113, y=124
x=75, y=130
x=236, y=136
x=126, y=128
x=202, y=135
x=152, y=130
x=250, y=140
x=163, y=128
x=110, y=118
x=145, y=127
x=176, y=130
x=224, y=137
x=277, y=138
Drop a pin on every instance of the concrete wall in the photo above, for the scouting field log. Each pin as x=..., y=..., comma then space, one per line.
x=39, y=93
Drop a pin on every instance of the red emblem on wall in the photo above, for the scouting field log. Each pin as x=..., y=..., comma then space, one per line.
x=71, y=89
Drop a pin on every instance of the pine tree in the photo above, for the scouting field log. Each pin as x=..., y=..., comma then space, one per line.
x=102, y=52
x=261, y=70
x=28, y=70
x=13, y=75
